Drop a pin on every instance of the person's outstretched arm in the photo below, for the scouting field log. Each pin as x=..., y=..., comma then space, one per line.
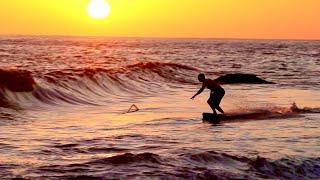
x=199, y=92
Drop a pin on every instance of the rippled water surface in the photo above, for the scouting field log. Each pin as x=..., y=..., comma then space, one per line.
x=64, y=102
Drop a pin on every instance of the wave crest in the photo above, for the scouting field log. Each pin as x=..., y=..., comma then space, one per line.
x=129, y=158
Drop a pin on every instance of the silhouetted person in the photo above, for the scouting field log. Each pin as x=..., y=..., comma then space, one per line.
x=216, y=94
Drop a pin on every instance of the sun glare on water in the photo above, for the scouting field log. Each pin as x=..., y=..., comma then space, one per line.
x=99, y=9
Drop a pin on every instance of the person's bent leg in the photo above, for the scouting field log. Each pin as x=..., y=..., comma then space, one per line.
x=213, y=109
x=219, y=109
x=212, y=106
x=216, y=102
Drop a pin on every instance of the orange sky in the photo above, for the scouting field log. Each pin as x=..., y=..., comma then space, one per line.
x=267, y=19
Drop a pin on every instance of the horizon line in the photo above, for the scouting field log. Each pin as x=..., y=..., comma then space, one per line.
x=155, y=37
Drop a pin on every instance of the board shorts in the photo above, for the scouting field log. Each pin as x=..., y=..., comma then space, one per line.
x=216, y=97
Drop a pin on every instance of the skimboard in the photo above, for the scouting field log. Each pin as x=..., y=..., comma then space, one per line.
x=212, y=118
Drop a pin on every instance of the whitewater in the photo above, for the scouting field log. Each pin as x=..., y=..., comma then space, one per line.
x=63, y=104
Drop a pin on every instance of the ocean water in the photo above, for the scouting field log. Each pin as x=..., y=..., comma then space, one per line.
x=64, y=102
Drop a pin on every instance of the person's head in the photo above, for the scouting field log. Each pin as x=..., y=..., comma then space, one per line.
x=201, y=77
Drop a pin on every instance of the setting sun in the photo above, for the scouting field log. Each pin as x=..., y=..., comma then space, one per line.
x=99, y=9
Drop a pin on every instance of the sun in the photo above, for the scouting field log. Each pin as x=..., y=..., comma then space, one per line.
x=99, y=9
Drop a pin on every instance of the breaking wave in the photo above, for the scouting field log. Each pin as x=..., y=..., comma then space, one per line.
x=90, y=85
x=85, y=86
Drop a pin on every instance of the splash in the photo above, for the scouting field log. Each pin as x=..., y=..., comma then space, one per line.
x=263, y=114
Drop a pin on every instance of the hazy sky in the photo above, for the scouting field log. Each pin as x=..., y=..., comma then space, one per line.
x=284, y=19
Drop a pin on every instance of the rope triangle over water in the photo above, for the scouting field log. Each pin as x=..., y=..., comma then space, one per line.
x=133, y=109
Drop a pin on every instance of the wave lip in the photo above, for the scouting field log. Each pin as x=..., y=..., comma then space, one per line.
x=16, y=80
x=152, y=65
x=161, y=72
